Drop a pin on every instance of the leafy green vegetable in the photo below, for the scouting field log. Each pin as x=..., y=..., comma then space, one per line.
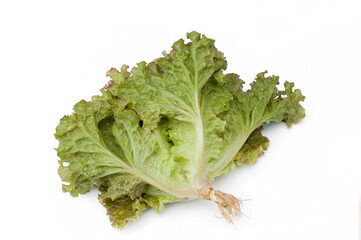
x=163, y=131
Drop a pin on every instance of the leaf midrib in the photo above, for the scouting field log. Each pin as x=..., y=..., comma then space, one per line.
x=199, y=174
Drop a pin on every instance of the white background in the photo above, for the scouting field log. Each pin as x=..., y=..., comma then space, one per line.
x=306, y=186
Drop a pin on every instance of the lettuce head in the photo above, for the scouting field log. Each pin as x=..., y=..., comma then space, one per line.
x=163, y=131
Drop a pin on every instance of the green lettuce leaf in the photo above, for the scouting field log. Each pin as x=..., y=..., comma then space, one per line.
x=245, y=111
x=164, y=130
x=124, y=209
x=254, y=147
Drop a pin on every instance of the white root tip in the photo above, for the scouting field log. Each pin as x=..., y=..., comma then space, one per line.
x=229, y=205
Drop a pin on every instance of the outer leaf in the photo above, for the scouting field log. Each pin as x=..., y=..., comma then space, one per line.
x=125, y=209
x=246, y=111
x=96, y=142
x=81, y=148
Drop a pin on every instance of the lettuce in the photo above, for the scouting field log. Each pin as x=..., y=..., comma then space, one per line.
x=163, y=131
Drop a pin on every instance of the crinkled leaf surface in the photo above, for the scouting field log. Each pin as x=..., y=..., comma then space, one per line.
x=244, y=111
x=124, y=209
x=164, y=130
